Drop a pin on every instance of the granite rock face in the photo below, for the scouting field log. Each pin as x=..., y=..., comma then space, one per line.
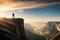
x=12, y=29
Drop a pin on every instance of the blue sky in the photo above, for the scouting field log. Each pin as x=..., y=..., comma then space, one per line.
x=48, y=13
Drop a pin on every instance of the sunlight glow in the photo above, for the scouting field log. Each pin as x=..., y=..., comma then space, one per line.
x=1, y=15
x=4, y=8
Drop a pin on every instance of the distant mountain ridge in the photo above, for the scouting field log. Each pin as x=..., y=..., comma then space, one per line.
x=48, y=27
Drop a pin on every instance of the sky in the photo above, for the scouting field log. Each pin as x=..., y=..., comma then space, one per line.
x=31, y=10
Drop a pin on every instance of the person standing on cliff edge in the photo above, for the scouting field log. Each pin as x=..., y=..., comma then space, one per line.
x=13, y=15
